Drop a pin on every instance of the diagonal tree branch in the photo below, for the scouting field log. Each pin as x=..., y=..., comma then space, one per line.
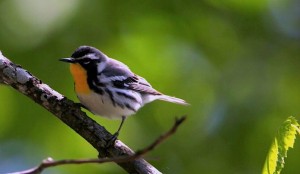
x=49, y=162
x=68, y=112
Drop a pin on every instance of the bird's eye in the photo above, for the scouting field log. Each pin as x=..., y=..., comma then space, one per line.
x=86, y=61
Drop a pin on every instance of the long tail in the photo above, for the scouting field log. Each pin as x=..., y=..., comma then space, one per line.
x=173, y=100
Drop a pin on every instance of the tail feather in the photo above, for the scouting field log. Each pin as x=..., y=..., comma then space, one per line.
x=173, y=100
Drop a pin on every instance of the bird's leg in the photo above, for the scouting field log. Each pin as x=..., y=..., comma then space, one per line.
x=116, y=134
x=118, y=131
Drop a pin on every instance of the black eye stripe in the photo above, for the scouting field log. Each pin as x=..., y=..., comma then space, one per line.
x=88, y=60
x=84, y=60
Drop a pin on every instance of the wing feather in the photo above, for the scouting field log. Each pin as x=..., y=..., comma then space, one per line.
x=122, y=77
x=140, y=84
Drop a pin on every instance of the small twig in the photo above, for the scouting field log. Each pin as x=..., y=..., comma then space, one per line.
x=163, y=137
x=49, y=162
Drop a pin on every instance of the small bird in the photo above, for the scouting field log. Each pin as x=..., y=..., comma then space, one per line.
x=108, y=88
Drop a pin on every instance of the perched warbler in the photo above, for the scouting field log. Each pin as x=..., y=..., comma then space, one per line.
x=108, y=88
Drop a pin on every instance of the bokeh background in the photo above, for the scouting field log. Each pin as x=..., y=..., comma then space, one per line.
x=236, y=62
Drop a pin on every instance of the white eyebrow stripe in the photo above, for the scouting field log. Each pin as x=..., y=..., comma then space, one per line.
x=92, y=56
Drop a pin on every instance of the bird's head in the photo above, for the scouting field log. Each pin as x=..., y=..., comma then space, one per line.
x=86, y=56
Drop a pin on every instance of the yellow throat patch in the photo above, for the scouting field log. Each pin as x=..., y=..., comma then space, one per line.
x=80, y=78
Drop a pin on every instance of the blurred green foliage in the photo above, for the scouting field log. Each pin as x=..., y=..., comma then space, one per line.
x=236, y=62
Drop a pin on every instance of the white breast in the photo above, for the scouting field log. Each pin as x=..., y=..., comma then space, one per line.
x=101, y=105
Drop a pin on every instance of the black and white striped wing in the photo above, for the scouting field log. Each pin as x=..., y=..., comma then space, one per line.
x=134, y=83
x=122, y=77
x=141, y=85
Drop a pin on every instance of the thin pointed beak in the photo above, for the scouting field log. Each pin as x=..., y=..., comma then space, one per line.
x=68, y=60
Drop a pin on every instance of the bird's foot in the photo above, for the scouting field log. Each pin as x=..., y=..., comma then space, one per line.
x=112, y=140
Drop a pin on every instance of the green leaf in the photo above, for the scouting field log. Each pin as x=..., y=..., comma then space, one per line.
x=284, y=140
